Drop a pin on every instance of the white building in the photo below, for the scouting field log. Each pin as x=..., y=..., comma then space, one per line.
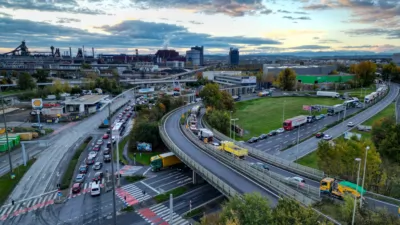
x=193, y=57
x=231, y=78
x=175, y=64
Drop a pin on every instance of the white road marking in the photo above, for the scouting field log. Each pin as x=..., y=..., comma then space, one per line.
x=146, y=171
x=150, y=187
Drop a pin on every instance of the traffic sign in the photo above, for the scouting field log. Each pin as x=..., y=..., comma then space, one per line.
x=105, y=122
x=59, y=193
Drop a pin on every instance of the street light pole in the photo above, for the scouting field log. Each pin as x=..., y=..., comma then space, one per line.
x=112, y=167
x=298, y=139
x=230, y=126
x=283, y=111
x=355, y=198
x=365, y=168
x=6, y=131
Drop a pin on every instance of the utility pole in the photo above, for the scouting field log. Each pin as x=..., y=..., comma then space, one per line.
x=365, y=170
x=112, y=167
x=298, y=139
x=230, y=126
x=283, y=111
x=171, y=208
x=6, y=131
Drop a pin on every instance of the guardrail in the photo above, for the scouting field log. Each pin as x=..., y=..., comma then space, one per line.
x=268, y=158
x=250, y=171
x=202, y=171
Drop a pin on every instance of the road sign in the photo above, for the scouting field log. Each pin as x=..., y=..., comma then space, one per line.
x=59, y=194
x=105, y=122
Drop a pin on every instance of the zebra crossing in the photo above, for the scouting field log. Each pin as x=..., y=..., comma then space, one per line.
x=17, y=209
x=85, y=189
x=159, y=215
x=131, y=195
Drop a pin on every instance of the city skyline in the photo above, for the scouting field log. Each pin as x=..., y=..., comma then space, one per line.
x=253, y=26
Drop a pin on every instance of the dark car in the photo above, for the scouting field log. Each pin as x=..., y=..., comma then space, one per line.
x=107, y=158
x=83, y=169
x=89, y=161
x=252, y=140
x=106, y=151
x=319, y=135
x=108, y=131
x=96, y=148
x=272, y=133
x=76, y=188
x=263, y=136
x=109, y=143
x=98, y=176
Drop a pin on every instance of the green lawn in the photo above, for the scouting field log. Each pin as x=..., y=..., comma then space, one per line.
x=265, y=114
x=309, y=160
x=143, y=158
x=358, y=92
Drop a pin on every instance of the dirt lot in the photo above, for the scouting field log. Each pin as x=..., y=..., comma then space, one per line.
x=20, y=115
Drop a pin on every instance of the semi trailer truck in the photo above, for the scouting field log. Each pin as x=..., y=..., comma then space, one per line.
x=205, y=135
x=163, y=161
x=230, y=147
x=328, y=94
x=294, y=122
x=336, y=109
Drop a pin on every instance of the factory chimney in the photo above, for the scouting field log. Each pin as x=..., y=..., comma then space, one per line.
x=83, y=52
x=137, y=55
x=70, y=52
x=93, y=52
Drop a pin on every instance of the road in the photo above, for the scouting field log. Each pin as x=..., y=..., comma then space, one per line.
x=239, y=182
x=38, y=179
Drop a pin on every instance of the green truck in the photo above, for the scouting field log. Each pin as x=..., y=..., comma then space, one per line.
x=165, y=160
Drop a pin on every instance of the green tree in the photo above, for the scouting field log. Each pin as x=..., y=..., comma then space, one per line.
x=365, y=73
x=389, y=71
x=57, y=87
x=25, y=81
x=66, y=87
x=385, y=135
x=86, y=66
x=219, y=120
x=41, y=76
x=211, y=95
x=227, y=102
x=145, y=130
x=287, y=79
x=297, y=216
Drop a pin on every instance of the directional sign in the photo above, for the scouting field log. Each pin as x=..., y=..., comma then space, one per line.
x=105, y=122
x=59, y=194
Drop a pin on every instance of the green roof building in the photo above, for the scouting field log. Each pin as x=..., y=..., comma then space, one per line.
x=311, y=79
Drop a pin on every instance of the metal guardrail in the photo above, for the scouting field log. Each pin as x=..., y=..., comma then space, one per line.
x=273, y=160
x=250, y=171
x=202, y=171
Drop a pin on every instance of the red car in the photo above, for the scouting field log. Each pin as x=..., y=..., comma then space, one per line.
x=76, y=188
x=96, y=148
x=106, y=136
x=128, y=115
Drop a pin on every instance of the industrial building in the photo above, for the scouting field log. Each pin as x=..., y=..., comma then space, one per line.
x=312, y=79
x=234, y=56
x=396, y=58
x=300, y=70
x=236, y=78
x=86, y=104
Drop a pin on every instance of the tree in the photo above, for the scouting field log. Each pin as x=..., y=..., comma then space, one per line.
x=25, y=81
x=385, y=135
x=365, y=73
x=287, y=79
x=333, y=72
x=86, y=66
x=297, y=216
x=227, y=102
x=211, y=95
x=219, y=120
x=145, y=130
x=389, y=71
x=57, y=87
x=41, y=76
x=66, y=88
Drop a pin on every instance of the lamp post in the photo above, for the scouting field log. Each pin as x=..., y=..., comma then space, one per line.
x=234, y=125
x=355, y=198
x=230, y=126
x=365, y=168
x=298, y=139
x=283, y=111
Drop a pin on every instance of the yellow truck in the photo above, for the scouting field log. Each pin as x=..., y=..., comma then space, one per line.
x=338, y=189
x=165, y=160
x=230, y=147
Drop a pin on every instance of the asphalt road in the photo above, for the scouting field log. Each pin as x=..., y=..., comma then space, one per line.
x=225, y=173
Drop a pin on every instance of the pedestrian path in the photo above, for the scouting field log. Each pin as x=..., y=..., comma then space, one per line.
x=85, y=189
x=131, y=195
x=129, y=170
x=159, y=215
x=17, y=209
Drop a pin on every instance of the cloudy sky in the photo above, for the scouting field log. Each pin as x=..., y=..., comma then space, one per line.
x=254, y=26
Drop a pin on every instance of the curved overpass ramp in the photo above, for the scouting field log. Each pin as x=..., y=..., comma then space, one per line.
x=221, y=176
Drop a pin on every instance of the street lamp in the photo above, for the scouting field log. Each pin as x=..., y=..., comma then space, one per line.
x=234, y=126
x=230, y=126
x=298, y=139
x=365, y=167
x=355, y=198
x=283, y=111
x=112, y=167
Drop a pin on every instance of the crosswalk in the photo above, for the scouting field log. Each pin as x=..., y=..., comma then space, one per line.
x=85, y=189
x=17, y=209
x=160, y=215
x=129, y=170
x=130, y=194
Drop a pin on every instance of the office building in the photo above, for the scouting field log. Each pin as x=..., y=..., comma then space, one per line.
x=201, y=50
x=234, y=56
x=235, y=78
x=193, y=57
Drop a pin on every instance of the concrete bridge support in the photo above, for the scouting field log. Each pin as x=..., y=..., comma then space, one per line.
x=196, y=178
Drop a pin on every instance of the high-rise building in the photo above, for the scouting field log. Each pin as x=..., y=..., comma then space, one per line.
x=201, y=50
x=193, y=57
x=396, y=58
x=234, y=56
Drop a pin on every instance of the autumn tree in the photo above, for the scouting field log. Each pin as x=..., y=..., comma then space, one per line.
x=287, y=79
x=289, y=211
x=211, y=95
x=25, y=81
x=365, y=73
x=389, y=71
x=385, y=134
x=219, y=119
x=227, y=102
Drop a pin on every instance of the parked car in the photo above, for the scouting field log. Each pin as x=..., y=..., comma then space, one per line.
x=280, y=130
x=319, y=135
x=263, y=136
x=272, y=133
x=252, y=140
x=327, y=137
x=76, y=188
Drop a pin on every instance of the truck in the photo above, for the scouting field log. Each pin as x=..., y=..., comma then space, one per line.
x=231, y=148
x=311, y=119
x=195, y=110
x=328, y=94
x=368, y=98
x=338, y=189
x=205, y=135
x=336, y=109
x=297, y=121
x=163, y=161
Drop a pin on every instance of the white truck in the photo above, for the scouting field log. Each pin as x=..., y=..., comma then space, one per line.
x=205, y=135
x=336, y=109
x=294, y=122
x=328, y=94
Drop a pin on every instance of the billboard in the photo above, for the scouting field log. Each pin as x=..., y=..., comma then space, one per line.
x=37, y=103
x=249, y=80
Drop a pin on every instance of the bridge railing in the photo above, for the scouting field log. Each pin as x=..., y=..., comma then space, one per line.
x=201, y=170
x=244, y=167
x=273, y=160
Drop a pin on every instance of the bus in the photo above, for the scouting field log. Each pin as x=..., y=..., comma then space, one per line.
x=118, y=128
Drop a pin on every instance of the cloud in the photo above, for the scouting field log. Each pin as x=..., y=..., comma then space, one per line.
x=68, y=20
x=297, y=18
x=284, y=11
x=315, y=38
x=231, y=8
x=3, y=14
x=302, y=13
x=389, y=33
x=311, y=47
x=266, y=12
x=329, y=41
x=195, y=22
x=316, y=7
x=127, y=34
x=360, y=46
x=68, y=6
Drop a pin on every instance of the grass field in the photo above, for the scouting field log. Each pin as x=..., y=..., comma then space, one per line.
x=265, y=114
x=143, y=158
x=358, y=92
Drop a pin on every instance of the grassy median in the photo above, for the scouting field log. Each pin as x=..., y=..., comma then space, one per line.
x=69, y=173
x=7, y=184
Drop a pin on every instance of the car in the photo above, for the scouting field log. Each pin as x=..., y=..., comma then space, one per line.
x=83, y=169
x=98, y=176
x=36, y=125
x=106, y=136
x=99, y=142
x=120, y=117
x=96, y=148
x=95, y=189
x=89, y=161
x=97, y=166
x=80, y=178
x=215, y=144
x=280, y=130
x=123, y=113
x=296, y=180
x=128, y=115
x=108, y=132
x=259, y=165
x=350, y=124
x=76, y=188
x=109, y=143
x=92, y=154
x=322, y=115
x=318, y=117
x=272, y=133
x=319, y=135
x=327, y=137
x=263, y=136
x=106, y=151
x=107, y=158
x=252, y=140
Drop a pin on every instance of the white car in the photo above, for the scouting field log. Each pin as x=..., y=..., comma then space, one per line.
x=92, y=154
x=215, y=144
x=327, y=137
x=280, y=130
x=350, y=124
x=296, y=179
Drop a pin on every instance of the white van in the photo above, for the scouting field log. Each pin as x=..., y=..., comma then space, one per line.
x=95, y=189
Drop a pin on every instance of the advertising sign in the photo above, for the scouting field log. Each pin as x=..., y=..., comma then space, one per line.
x=37, y=103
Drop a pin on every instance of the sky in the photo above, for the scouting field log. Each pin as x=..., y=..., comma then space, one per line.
x=253, y=26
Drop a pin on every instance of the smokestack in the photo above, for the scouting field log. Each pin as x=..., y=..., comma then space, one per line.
x=93, y=52
x=137, y=55
x=70, y=52
x=83, y=51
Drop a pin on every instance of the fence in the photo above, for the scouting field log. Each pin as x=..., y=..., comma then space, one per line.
x=276, y=161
